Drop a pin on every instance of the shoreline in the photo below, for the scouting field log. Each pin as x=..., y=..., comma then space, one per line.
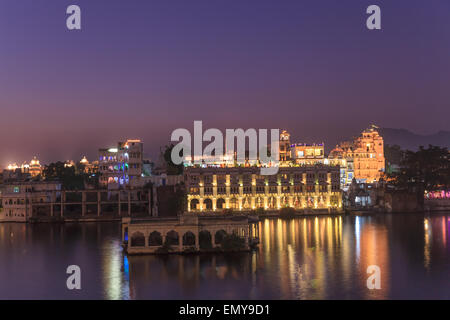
x=261, y=216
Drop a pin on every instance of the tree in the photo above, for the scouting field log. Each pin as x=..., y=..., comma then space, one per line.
x=287, y=212
x=69, y=176
x=426, y=169
x=232, y=242
x=172, y=169
x=394, y=153
x=178, y=202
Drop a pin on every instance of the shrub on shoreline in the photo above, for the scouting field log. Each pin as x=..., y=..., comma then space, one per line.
x=287, y=212
x=232, y=242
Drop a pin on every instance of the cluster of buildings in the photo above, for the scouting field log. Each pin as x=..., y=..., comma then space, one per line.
x=22, y=172
x=361, y=159
x=306, y=179
x=34, y=170
x=84, y=165
x=124, y=166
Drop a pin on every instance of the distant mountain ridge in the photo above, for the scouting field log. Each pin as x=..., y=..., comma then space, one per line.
x=412, y=141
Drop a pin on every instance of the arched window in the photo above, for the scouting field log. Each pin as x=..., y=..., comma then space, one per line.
x=285, y=201
x=259, y=202
x=155, y=239
x=204, y=239
x=246, y=203
x=137, y=240
x=220, y=203
x=188, y=239
x=272, y=202
x=297, y=202
x=219, y=236
x=208, y=204
x=194, y=204
x=172, y=238
x=234, y=203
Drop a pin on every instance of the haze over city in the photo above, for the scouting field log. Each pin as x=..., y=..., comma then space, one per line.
x=143, y=69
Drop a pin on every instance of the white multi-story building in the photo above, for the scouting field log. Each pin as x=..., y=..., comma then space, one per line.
x=307, y=154
x=121, y=165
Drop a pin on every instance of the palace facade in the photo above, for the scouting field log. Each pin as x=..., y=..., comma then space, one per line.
x=364, y=156
x=213, y=189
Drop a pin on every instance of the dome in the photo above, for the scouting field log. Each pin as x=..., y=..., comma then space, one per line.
x=336, y=152
x=84, y=160
x=34, y=162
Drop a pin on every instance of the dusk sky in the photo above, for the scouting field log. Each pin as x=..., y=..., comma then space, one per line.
x=140, y=69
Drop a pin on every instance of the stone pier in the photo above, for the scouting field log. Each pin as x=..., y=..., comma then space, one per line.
x=186, y=233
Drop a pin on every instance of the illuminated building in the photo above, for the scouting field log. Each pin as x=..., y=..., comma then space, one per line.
x=121, y=165
x=33, y=168
x=89, y=167
x=226, y=160
x=85, y=165
x=84, y=161
x=69, y=164
x=303, y=154
x=307, y=154
x=337, y=158
x=23, y=200
x=243, y=188
x=12, y=167
x=285, y=146
x=438, y=200
x=365, y=156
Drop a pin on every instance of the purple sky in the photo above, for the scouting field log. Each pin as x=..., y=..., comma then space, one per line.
x=141, y=69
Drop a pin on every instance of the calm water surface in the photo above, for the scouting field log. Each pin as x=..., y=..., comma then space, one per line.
x=303, y=258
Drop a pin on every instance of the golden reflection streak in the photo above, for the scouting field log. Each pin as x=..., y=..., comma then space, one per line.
x=444, y=232
x=375, y=251
x=316, y=232
x=305, y=235
x=427, y=244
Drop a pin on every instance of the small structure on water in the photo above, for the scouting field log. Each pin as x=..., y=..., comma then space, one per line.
x=187, y=233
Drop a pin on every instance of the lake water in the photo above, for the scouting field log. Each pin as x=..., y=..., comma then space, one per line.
x=305, y=258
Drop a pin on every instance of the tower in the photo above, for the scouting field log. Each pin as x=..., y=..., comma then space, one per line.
x=285, y=146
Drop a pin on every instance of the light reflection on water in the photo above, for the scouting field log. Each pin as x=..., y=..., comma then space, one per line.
x=322, y=257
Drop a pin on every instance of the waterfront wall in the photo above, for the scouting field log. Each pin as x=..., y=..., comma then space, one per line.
x=437, y=205
x=83, y=205
x=402, y=202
